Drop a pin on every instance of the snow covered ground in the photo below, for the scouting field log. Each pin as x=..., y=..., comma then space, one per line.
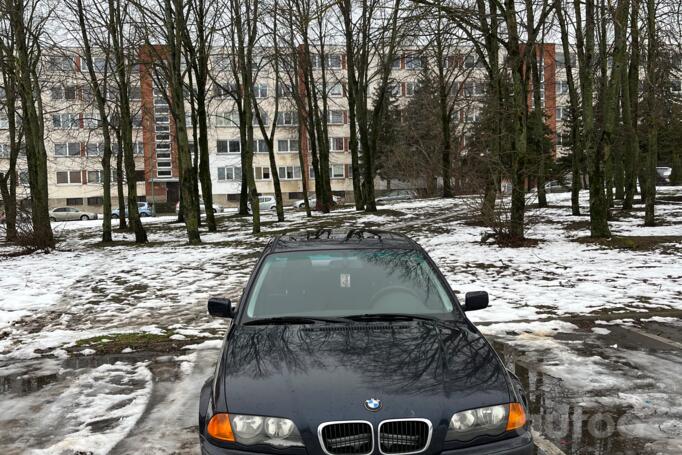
x=122, y=397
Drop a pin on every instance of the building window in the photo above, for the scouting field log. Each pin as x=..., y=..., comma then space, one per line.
x=336, y=90
x=94, y=149
x=289, y=172
x=481, y=88
x=336, y=117
x=676, y=86
x=261, y=146
x=396, y=63
x=91, y=120
x=95, y=177
x=337, y=171
x=229, y=173
x=562, y=113
x=226, y=119
x=231, y=146
x=4, y=150
x=563, y=139
x=315, y=61
x=136, y=121
x=223, y=90
x=61, y=63
x=4, y=122
x=97, y=200
x=284, y=90
x=68, y=177
x=287, y=118
x=67, y=149
x=413, y=62
x=262, y=173
x=138, y=148
x=263, y=116
x=468, y=88
x=74, y=201
x=135, y=93
x=473, y=115
x=260, y=90
x=333, y=61
x=410, y=88
x=560, y=59
x=99, y=64
x=65, y=121
x=287, y=145
x=472, y=61
x=63, y=92
x=336, y=144
x=561, y=87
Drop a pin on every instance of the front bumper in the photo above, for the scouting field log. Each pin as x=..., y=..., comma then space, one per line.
x=520, y=445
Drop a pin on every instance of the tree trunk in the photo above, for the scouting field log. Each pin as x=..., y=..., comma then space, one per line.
x=631, y=140
x=36, y=155
x=632, y=167
x=352, y=87
x=652, y=78
x=599, y=227
x=8, y=178
x=121, y=65
x=520, y=127
x=204, y=160
x=122, y=225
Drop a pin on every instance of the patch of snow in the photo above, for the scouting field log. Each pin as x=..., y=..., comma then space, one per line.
x=104, y=405
x=210, y=344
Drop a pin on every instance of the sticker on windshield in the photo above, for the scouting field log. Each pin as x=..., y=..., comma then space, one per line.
x=345, y=280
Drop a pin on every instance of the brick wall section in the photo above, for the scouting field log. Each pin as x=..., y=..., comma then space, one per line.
x=147, y=95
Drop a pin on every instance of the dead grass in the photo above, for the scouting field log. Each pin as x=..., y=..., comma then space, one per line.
x=148, y=342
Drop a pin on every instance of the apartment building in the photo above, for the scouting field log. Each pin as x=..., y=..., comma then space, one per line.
x=74, y=144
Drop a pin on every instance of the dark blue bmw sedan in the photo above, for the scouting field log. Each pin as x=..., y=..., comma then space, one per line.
x=353, y=343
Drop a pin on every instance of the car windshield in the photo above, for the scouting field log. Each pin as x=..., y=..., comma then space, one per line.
x=340, y=283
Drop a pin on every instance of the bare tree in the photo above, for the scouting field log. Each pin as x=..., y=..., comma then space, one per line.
x=26, y=19
x=164, y=27
x=92, y=27
x=123, y=62
x=9, y=104
x=200, y=31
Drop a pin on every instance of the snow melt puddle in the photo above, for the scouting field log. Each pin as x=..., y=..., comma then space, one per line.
x=90, y=412
x=588, y=397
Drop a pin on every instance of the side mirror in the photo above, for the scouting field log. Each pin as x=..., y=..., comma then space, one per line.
x=476, y=300
x=220, y=308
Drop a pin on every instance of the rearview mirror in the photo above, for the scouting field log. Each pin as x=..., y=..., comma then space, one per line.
x=220, y=308
x=476, y=300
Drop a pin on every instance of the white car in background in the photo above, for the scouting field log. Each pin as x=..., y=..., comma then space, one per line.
x=664, y=172
x=202, y=208
x=265, y=203
x=396, y=195
x=313, y=201
x=71, y=214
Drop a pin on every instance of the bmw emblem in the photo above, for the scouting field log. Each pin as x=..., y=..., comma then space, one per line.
x=373, y=404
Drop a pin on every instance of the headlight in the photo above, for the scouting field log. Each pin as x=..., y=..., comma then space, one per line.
x=250, y=430
x=491, y=420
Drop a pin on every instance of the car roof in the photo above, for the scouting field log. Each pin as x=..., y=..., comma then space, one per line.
x=325, y=239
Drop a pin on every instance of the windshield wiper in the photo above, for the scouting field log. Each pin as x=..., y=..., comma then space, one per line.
x=283, y=320
x=391, y=317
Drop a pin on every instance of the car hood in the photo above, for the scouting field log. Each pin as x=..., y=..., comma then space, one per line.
x=319, y=373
